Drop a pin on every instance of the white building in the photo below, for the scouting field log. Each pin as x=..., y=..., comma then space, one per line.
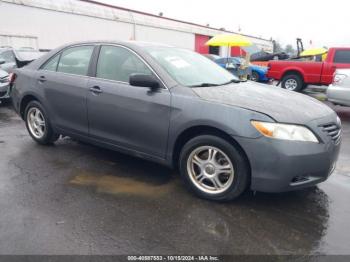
x=46, y=24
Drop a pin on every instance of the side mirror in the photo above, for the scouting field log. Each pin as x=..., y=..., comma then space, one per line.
x=144, y=80
x=2, y=61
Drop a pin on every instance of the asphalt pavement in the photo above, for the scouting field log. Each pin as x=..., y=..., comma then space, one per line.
x=74, y=198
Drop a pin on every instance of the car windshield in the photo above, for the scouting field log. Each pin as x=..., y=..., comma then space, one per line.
x=189, y=68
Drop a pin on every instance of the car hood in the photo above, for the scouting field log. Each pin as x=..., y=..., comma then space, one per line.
x=280, y=104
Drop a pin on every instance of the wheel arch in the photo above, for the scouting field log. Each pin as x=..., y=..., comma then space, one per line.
x=198, y=130
x=293, y=72
x=25, y=101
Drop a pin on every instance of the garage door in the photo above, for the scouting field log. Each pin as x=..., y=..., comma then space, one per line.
x=200, y=46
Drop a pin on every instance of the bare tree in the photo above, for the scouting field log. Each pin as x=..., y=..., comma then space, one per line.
x=289, y=49
x=277, y=47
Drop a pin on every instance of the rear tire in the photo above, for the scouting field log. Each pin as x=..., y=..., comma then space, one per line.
x=38, y=124
x=213, y=168
x=292, y=82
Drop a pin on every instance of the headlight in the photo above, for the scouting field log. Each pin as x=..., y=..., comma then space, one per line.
x=285, y=131
x=338, y=121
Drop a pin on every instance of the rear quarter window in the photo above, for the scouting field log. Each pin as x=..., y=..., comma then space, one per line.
x=51, y=65
x=342, y=57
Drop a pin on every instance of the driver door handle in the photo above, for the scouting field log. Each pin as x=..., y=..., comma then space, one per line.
x=42, y=79
x=95, y=90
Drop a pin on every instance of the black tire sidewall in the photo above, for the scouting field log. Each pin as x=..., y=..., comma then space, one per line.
x=241, y=170
x=296, y=78
x=49, y=134
x=305, y=86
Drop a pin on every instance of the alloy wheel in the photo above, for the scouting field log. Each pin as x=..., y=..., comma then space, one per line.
x=36, y=122
x=291, y=84
x=210, y=169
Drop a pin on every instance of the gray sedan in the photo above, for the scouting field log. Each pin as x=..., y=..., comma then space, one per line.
x=178, y=108
x=339, y=92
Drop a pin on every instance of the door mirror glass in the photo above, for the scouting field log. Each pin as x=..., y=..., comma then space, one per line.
x=144, y=80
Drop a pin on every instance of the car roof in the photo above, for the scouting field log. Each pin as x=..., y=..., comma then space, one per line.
x=126, y=43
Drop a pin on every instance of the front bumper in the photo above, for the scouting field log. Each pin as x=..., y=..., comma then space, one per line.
x=280, y=165
x=338, y=95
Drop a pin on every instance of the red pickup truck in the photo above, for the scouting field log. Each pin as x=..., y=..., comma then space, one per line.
x=295, y=75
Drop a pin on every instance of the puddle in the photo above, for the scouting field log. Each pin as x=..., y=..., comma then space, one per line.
x=120, y=185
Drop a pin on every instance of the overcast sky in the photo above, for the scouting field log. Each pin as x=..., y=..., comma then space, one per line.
x=324, y=22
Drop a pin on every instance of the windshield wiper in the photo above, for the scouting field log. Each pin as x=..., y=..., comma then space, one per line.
x=211, y=84
x=204, y=85
x=236, y=81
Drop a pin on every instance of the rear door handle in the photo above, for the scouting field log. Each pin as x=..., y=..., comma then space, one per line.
x=95, y=90
x=42, y=79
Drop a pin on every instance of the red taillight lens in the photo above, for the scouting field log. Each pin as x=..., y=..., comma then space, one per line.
x=12, y=78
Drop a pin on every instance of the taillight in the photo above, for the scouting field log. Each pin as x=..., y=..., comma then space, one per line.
x=268, y=66
x=12, y=78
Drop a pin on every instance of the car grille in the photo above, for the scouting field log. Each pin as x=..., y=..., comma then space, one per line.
x=4, y=79
x=332, y=130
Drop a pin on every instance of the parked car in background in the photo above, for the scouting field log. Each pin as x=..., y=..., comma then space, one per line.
x=4, y=85
x=234, y=66
x=254, y=72
x=16, y=58
x=177, y=108
x=339, y=91
x=296, y=75
x=212, y=57
x=258, y=73
x=265, y=56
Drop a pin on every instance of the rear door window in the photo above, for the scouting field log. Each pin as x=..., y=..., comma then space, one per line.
x=75, y=60
x=342, y=57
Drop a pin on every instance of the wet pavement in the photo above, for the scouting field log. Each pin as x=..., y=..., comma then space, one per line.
x=73, y=198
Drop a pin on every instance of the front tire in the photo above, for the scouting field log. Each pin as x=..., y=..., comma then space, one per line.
x=292, y=82
x=213, y=168
x=255, y=77
x=38, y=124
